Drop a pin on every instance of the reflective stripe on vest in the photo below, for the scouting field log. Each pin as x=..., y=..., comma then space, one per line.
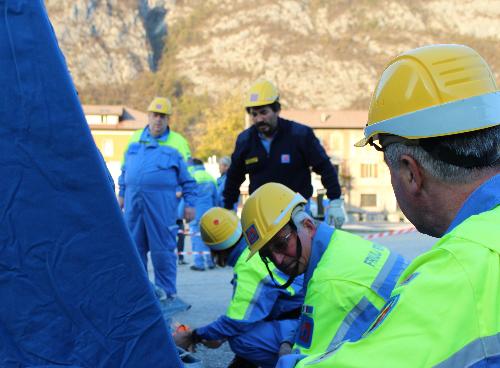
x=473, y=353
x=201, y=176
x=354, y=324
x=389, y=275
x=360, y=316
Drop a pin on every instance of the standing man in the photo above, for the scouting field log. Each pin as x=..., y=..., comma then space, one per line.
x=260, y=314
x=435, y=114
x=274, y=149
x=348, y=279
x=224, y=164
x=151, y=174
x=206, y=198
x=159, y=112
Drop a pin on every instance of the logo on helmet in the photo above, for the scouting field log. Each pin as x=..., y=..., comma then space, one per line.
x=252, y=234
x=254, y=97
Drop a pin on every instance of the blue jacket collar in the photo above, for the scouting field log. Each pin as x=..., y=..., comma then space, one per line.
x=318, y=247
x=197, y=167
x=484, y=198
x=147, y=137
x=237, y=251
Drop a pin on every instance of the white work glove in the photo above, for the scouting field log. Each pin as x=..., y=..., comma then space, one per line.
x=336, y=214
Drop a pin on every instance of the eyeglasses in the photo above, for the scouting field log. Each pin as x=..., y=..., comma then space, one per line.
x=376, y=146
x=278, y=245
x=387, y=140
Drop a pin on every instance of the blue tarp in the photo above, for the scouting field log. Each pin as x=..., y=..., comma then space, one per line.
x=72, y=289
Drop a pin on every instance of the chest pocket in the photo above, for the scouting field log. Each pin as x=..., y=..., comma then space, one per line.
x=133, y=149
x=253, y=163
x=165, y=171
x=167, y=162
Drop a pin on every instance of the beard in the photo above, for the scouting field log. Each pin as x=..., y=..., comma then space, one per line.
x=264, y=127
x=291, y=268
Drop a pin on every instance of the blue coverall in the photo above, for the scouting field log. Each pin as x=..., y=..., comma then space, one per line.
x=206, y=198
x=151, y=174
x=221, y=183
x=255, y=322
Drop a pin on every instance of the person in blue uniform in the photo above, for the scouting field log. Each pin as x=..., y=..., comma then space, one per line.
x=206, y=198
x=260, y=314
x=152, y=172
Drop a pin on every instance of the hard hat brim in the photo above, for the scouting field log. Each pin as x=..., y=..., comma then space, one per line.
x=466, y=115
x=363, y=142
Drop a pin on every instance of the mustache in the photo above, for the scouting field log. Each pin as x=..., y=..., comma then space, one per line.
x=290, y=266
x=262, y=124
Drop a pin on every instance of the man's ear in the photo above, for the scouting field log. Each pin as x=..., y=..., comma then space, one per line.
x=411, y=174
x=309, y=225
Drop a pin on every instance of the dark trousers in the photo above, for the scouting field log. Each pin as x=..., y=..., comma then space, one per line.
x=180, y=238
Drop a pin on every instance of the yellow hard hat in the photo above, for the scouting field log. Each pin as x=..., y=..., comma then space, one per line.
x=261, y=93
x=220, y=228
x=161, y=105
x=265, y=212
x=433, y=91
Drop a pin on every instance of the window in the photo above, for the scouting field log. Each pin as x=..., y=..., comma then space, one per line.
x=369, y=170
x=368, y=200
x=108, y=148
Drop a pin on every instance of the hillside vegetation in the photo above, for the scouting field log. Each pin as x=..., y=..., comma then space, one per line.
x=323, y=54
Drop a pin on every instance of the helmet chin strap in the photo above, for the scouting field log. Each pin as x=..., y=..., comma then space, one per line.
x=291, y=278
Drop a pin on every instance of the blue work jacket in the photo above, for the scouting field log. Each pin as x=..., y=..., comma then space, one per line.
x=206, y=190
x=294, y=150
x=255, y=297
x=151, y=175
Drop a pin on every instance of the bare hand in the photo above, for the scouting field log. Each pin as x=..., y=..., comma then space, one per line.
x=121, y=201
x=184, y=339
x=212, y=344
x=189, y=213
x=285, y=349
x=178, y=194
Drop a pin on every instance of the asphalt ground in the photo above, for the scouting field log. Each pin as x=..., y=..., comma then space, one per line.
x=209, y=292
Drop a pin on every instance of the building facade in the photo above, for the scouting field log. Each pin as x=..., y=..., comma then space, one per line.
x=364, y=177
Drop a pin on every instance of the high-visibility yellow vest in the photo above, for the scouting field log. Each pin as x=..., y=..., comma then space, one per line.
x=445, y=311
x=174, y=140
x=249, y=278
x=351, y=283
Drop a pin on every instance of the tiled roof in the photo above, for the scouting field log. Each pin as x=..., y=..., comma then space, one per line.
x=128, y=118
x=103, y=109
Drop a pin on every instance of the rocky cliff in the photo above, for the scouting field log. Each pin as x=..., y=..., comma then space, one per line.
x=321, y=53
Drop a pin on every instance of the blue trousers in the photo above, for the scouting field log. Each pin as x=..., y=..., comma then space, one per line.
x=198, y=246
x=261, y=344
x=163, y=252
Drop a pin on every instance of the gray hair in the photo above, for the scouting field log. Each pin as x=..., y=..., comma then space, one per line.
x=226, y=160
x=477, y=144
x=299, y=215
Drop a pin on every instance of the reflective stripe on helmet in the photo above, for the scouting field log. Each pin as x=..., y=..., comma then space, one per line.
x=229, y=242
x=288, y=209
x=478, y=112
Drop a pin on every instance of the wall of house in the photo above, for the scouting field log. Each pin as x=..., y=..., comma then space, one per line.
x=112, y=144
x=364, y=176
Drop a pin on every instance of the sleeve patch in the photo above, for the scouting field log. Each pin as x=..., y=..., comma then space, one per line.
x=305, y=333
x=383, y=314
